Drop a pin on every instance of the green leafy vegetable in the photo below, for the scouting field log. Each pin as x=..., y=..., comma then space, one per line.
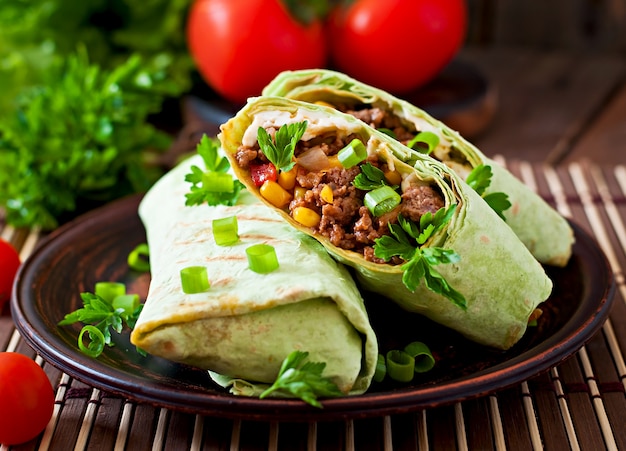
x=370, y=178
x=80, y=139
x=406, y=241
x=480, y=179
x=280, y=152
x=208, y=149
x=303, y=380
x=99, y=314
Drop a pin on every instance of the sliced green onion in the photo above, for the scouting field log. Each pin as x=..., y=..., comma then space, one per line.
x=127, y=302
x=400, y=365
x=262, y=258
x=424, y=360
x=381, y=369
x=226, y=231
x=388, y=132
x=381, y=200
x=96, y=343
x=426, y=142
x=109, y=290
x=352, y=154
x=139, y=258
x=218, y=182
x=194, y=279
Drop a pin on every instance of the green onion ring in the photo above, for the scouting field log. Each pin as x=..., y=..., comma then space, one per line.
x=427, y=142
x=381, y=369
x=139, y=258
x=400, y=365
x=194, y=279
x=109, y=290
x=262, y=258
x=424, y=360
x=225, y=231
x=352, y=154
x=218, y=182
x=96, y=345
x=381, y=200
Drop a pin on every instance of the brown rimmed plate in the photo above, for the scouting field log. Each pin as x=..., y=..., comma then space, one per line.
x=94, y=247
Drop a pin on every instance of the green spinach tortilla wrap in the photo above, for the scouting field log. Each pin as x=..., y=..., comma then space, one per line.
x=541, y=228
x=246, y=323
x=416, y=234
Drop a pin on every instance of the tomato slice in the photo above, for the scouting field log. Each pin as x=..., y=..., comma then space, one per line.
x=9, y=263
x=262, y=172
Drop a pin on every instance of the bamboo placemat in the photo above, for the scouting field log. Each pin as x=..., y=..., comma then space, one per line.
x=579, y=404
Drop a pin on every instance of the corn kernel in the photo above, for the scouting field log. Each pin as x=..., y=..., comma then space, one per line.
x=288, y=179
x=334, y=162
x=322, y=103
x=327, y=194
x=299, y=192
x=306, y=216
x=393, y=177
x=275, y=194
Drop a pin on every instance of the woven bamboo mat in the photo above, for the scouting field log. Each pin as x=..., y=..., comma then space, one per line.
x=579, y=404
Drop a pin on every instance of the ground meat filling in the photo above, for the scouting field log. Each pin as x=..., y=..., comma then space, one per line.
x=345, y=221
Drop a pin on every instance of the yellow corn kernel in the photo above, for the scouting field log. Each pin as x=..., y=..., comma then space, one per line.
x=288, y=179
x=299, y=192
x=306, y=216
x=327, y=194
x=321, y=102
x=334, y=161
x=393, y=177
x=275, y=194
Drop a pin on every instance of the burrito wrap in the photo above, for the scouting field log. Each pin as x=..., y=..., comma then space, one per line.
x=247, y=323
x=541, y=228
x=501, y=281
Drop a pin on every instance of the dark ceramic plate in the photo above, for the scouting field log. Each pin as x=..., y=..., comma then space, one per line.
x=94, y=248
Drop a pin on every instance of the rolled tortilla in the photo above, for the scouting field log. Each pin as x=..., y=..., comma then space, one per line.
x=542, y=229
x=501, y=281
x=247, y=323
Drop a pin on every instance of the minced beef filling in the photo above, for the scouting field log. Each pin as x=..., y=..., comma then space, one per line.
x=346, y=222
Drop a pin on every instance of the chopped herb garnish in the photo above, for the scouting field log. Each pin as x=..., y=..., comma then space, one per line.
x=99, y=317
x=370, y=178
x=406, y=241
x=303, y=380
x=480, y=179
x=280, y=152
x=199, y=193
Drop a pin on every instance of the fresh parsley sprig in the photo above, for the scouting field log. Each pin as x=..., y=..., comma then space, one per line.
x=480, y=179
x=303, y=380
x=99, y=314
x=370, y=178
x=280, y=150
x=406, y=241
x=208, y=149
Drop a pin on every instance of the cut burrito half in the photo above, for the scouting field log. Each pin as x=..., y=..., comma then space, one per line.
x=246, y=323
x=541, y=228
x=416, y=234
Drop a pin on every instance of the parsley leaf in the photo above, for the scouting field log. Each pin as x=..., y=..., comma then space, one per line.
x=480, y=179
x=103, y=316
x=208, y=149
x=280, y=152
x=303, y=380
x=370, y=178
x=406, y=242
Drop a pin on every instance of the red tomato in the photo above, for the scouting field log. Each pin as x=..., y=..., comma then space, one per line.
x=26, y=399
x=259, y=173
x=9, y=262
x=241, y=45
x=397, y=45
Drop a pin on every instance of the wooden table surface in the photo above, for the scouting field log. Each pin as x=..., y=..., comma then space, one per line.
x=559, y=123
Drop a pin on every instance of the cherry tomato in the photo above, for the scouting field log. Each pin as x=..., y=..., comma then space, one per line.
x=259, y=173
x=241, y=45
x=396, y=45
x=26, y=399
x=9, y=262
